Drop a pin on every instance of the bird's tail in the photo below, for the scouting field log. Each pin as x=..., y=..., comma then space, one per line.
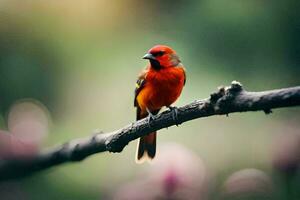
x=146, y=148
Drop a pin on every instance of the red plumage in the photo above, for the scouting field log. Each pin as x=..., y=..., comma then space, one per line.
x=159, y=85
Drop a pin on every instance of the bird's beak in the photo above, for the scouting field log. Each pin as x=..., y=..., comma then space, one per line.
x=149, y=56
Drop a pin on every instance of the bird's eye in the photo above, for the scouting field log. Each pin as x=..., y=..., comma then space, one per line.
x=158, y=54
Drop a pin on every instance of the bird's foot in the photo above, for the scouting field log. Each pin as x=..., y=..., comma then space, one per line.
x=174, y=111
x=150, y=117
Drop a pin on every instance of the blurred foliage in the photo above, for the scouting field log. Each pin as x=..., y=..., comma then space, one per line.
x=80, y=59
x=29, y=67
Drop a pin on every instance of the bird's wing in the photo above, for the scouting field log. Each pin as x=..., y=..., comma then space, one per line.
x=140, y=83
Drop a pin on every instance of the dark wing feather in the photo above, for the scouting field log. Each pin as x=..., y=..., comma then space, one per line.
x=138, y=87
x=140, y=83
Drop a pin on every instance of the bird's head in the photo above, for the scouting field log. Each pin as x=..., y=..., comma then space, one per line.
x=162, y=56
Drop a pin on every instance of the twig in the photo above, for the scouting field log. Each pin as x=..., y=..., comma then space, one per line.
x=226, y=100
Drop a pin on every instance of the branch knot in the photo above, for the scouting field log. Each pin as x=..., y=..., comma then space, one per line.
x=225, y=97
x=235, y=86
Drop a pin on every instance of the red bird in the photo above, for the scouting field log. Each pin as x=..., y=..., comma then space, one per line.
x=159, y=85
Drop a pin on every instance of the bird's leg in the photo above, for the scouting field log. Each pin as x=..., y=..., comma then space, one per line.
x=174, y=111
x=150, y=117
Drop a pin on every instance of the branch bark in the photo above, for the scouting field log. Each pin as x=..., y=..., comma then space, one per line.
x=226, y=100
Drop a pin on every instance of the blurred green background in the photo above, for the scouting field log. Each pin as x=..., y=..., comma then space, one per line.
x=81, y=59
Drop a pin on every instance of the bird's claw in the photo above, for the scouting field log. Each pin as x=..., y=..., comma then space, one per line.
x=150, y=117
x=174, y=111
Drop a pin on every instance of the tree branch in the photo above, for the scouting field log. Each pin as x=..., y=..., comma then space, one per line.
x=226, y=100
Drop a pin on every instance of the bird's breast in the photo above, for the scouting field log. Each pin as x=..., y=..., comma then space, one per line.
x=163, y=87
